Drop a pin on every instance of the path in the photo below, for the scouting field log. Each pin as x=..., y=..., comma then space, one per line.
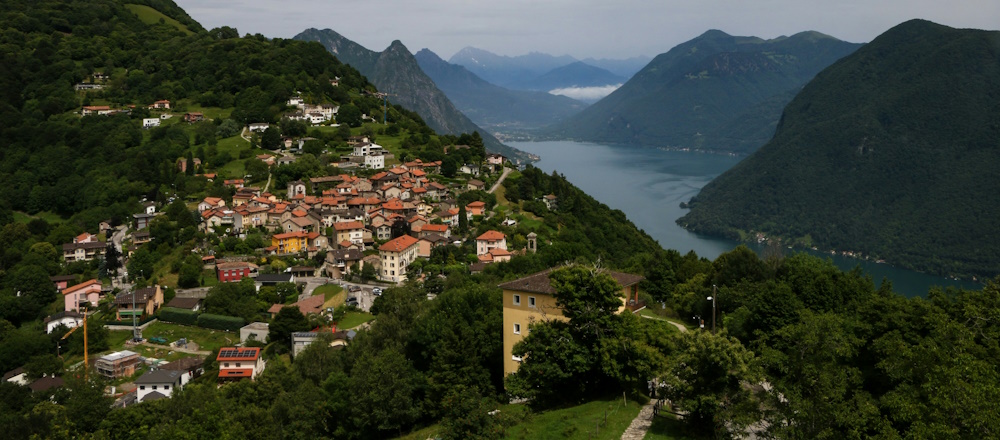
x=177, y=349
x=678, y=325
x=640, y=424
x=506, y=171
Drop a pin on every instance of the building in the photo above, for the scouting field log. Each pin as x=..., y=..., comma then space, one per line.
x=396, y=255
x=254, y=331
x=353, y=232
x=142, y=302
x=67, y=319
x=157, y=384
x=85, y=294
x=237, y=363
x=148, y=123
x=190, y=368
x=118, y=364
x=290, y=242
x=301, y=340
x=532, y=299
x=375, y=161
x=296, y=188
x=231, y=272
x=490, y=240
x=83, y=251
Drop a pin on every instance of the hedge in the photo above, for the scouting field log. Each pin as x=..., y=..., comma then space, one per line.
x=179, y=316
x=220, y=322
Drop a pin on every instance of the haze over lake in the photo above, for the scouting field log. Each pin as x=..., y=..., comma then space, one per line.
x=649, y=184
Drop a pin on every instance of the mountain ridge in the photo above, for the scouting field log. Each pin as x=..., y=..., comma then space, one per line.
x=884, y=154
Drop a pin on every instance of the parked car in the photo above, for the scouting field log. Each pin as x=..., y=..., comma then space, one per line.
x=353, y=288
x=377, y=291
x=352, y=301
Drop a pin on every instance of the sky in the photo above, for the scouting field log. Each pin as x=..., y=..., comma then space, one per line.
x=614, y=29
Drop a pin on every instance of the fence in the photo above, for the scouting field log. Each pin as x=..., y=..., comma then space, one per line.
x=604, y=421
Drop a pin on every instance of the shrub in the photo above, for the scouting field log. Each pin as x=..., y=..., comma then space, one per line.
x=220, y=322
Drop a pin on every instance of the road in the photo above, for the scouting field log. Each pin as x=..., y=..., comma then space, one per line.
x=506, y=171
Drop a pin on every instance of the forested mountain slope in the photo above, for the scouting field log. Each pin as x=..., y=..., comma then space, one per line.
x=396, y=71
x=493, y=106
x=890, y=152
x=689, y=96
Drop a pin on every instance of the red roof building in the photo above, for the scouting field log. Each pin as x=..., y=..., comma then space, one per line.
x=236, y=363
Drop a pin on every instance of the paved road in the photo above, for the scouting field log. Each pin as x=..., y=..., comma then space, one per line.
x=506, y=171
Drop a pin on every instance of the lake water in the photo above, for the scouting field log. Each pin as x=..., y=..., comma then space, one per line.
x=649, y=184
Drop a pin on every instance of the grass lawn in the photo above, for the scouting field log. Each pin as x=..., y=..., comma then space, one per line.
x=354, y=319
x=334, y=295
x=667, y=428
x=149, y=15
x=578, y=422
x=52, y=218
x=207, y=339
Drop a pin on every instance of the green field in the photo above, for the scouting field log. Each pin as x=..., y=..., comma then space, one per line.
x=149, y=15
x=207, y=339
x=578, y=421
x=50, y=217
x=354, y=319
x=667, y=428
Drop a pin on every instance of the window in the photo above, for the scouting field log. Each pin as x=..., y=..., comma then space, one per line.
x=531, y=301
x=142, y=387
x=517, y=328
x=166, y=387
x=226, y=365
x=154, y=387
x=517, y=300
x=237, y=365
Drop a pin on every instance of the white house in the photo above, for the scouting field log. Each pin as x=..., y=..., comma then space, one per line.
x=366, y=149
x=69, y=319
x=150, y=122
x=375, y=162
x=259, y=127
x=157, y=384
x=316, y=118
x=296, y=101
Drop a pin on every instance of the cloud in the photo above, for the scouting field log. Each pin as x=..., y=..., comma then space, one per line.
x=586, y=94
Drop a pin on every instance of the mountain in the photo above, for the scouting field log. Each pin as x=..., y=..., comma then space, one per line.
x=625, y=68
x=507, y=71
x=577, y=74
x=686, y=97
x=891, y=153
x=395, y=71
x=490, y=105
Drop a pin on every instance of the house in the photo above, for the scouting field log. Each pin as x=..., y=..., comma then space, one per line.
x=428, y=242
x=194, y=117
x=141, y=237
x=254, y=331
x=16, y=376
x=273, y=279
x=148, y=123
x=301, y=340
x=237, y=363
x=340, y=261
x=475, y=184
x=551, y=202
x=469, y=168
x=475, y=208
x=431, y=228
x=118, y=364
x=211, y=203
x=189, y=367
x=353, y=232
x=192, y=304
x=83, y=295
x=366, y=149
x=157, y=384
x=258, y=127
x=162, y=105
x=149, y=207
x=141, y=302
x=83, y=251
x=290, y=242
x=266, y=158
x=312, y=305
x=299, y=224
x=231, y=272
x=375, y=161
x=62, y=281
x=495, y=255
x=490, y=240
x=142, y=220
x=303, y=271
x=95, y=110
x=495, y=159
x=396, y=255
x=531, y=299
x=68, y=319
x=296, y=188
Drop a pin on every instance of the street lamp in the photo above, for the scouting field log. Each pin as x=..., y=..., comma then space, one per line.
x=712, y=299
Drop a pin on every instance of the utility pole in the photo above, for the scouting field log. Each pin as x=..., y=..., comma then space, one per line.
x=715, y=294
x=135, y=331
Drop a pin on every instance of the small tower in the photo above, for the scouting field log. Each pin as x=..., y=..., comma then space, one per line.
x=532, y=242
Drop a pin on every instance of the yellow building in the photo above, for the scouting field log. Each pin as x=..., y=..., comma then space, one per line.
x=531, y=299
x=289, y=242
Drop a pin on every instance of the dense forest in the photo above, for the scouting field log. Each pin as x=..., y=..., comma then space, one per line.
x=888, y=154
x=839, y=357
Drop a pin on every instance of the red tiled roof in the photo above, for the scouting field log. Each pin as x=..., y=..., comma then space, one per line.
x=82, y=285
x=347, y=226
x=435, y=228
x=491, y=236
x=398, y=244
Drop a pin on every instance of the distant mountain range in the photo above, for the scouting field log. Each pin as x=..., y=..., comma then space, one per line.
x=539, y=71
x=396, y=71
x=891, y=152
x=715, y=92
x=492, y=106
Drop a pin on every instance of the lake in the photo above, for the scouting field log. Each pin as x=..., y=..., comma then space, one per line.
x=649, y=184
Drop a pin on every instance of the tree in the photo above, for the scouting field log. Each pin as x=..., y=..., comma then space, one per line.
x=288, y=320
x=350, y=115
x=384, y=386
x=463, y=219
x=706, y=379
x=270, y=139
